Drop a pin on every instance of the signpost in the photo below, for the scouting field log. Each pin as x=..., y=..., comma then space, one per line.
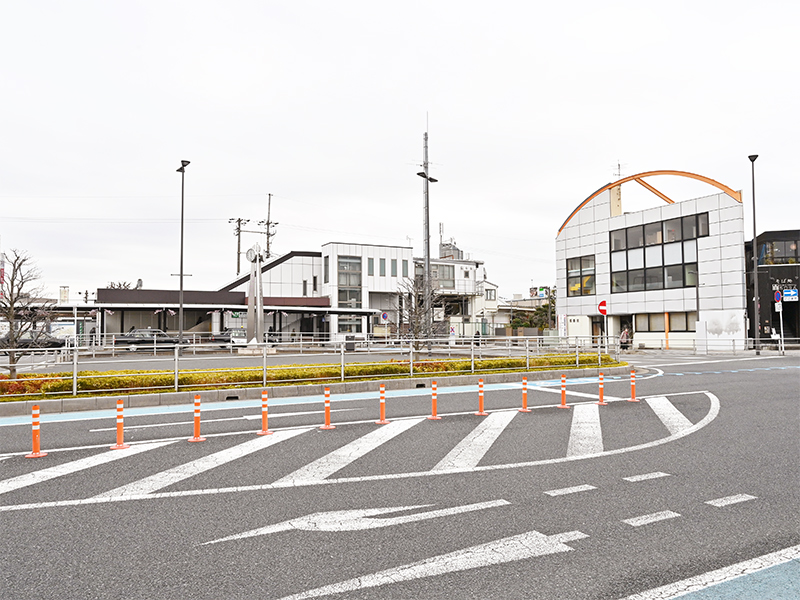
x=779, y=310
x=602, y=308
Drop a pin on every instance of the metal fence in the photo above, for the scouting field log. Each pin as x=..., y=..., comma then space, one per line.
x=104, y=369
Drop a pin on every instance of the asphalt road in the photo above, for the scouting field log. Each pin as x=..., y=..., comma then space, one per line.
x=590, y=502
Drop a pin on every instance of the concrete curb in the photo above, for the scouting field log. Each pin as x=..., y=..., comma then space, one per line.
x=20, y=408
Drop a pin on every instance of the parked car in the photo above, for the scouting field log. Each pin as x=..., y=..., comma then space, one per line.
x=32, y=339
x=236, y=336
x=144, y=337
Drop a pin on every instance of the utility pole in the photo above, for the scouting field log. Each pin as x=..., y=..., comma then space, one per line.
x=237, y=231
x=269, y=225
x=426, y=242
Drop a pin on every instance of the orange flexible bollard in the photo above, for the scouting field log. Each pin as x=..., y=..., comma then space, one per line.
x=383, y=420
x=328, y=410
x=37, y=451
x=120, y=445
x=196, y=437
x=563, y=392
x=434, y=416
x=264, y=415
x=524, y=396
x=633, y=387
x=481, y=412
x=602, y=402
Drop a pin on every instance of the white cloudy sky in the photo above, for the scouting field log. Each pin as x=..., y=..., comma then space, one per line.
x=530, y=106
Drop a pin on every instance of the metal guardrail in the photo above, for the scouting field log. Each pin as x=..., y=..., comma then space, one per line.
x=280, y=363
x=178, y=368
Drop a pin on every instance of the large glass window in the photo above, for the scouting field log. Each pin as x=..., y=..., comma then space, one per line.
x=642, y=323
x=370, y=266
x=445, y=275
x=383, y=267
x=654, y=278
x=618, y=240
x=657, y=322
x=672, y=230
x=618, y=262
x=405, y=268
x=690, y=275
x=580, y=276
x=673, y=276
x=652, y=256
x=689, y=227
x=702, y=225
x=394, y=267
x=652, y=234
x=349, y=279
x=635, y=236
x=636, y=280
x=673, y=254
x=619, y=282
x=636, y=258
x=349, y=324
x=677, y=321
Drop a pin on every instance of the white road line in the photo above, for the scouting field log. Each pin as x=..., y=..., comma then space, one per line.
x=706, y=362
x=469, y=451
x=22, y=481
x=652, y=518
x=570, y=490
x=712, y=414
x=326, y=466
x=646, y=476
x=719, y=502
x=359, y=520
x=704, y=581
x=671, y=417
x=148, y=485
x=244, y=417
x=510, y=549
x=557, y=390
x=585, y=436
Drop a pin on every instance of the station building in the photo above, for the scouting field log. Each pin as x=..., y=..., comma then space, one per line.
x=674, y=274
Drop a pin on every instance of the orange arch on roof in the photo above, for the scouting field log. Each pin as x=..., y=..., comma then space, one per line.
x=639, y=179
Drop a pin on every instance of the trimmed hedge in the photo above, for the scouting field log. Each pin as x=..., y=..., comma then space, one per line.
x=31, y=385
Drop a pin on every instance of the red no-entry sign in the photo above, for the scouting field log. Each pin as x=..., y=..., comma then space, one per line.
x=602, y=308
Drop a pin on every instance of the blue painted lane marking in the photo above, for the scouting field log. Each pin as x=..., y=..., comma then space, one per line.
x=781, y=582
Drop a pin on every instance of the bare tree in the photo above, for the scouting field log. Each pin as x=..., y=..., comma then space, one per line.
x=22, y=305
x=411, y=309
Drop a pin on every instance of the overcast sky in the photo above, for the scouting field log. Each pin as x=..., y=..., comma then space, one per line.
x=529, y=107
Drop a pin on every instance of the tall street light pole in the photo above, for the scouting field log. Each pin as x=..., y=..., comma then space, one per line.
x=426, y=238
x=756, y=315
x=182, y=171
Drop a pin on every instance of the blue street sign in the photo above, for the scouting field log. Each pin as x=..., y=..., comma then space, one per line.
x=790, y=295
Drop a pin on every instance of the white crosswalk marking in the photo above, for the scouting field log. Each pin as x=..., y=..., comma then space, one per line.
x=670, y=416
x=22, y=481
x=469, y=451
x=148, y=485
x=585, y=436
x=338, y=459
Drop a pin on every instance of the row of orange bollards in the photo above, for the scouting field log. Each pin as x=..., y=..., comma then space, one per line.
x=196, y=437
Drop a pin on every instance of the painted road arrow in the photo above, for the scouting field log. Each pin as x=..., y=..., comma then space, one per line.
x=357, y=520
x=510, y=549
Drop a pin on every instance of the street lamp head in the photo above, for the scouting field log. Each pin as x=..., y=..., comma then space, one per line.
x=432, y=180
x=184, y=164
x=422, y=174
x=753, y=157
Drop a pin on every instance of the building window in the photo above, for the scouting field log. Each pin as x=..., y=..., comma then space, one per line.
x=491, y=294
x=657, y=322
x=702, y=225
x=325, y=278
x=580, y=276
x=349, y=281
x=305, y=287
x=370, y=266
x=672, y=231
x=617, y=240
x=383, y=267
x=619, y=282
x=349, y=324
x=636, y=280
x=652, y=234
x=635, y=236
x=314, y=283
x=654, y=278
x=673, y=276
x=394, y=267
x=445, y=275
x=405, y=268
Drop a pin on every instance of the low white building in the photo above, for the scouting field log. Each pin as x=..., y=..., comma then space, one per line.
x=674, y=274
